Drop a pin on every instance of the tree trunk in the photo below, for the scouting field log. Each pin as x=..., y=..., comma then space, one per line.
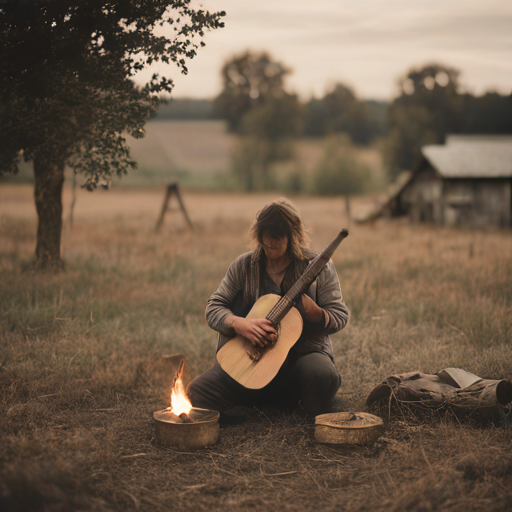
x=49, y=178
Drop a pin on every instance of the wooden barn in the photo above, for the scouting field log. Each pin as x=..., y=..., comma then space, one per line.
x=467, y=181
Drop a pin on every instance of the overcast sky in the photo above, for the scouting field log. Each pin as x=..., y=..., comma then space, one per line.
x=366, y=44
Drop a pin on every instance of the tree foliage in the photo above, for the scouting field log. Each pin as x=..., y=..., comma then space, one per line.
x=67, y=94
x=339, y=171
x=250, y=81
x=66, y=76
x=257, y=107
x=428, y=107
x=340, y=111
x=489, y=113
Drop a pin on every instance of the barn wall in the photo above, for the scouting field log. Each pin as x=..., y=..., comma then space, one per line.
x=477, y=202
x=453, y=202
x=422, y=199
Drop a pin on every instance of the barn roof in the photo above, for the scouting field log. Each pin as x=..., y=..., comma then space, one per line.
x=472, y=157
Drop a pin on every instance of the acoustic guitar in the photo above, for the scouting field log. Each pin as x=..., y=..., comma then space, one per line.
x=254, y=367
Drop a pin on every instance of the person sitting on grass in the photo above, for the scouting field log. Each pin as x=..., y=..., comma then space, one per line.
x=308, y=380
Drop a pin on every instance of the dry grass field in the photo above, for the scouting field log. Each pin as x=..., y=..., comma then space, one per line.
x=193, y=151
x=76, y=395
x=198, y=153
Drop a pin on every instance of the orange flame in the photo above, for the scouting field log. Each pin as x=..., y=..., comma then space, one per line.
x=179, y=402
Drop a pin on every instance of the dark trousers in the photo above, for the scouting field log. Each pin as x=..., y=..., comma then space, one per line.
x=307, y=382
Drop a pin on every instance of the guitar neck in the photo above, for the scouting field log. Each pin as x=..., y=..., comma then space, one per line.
x=279, y=311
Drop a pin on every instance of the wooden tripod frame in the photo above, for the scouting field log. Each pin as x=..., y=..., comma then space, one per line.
x=172, y=190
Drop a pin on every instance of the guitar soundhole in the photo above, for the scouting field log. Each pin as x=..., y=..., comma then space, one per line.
x=256, y=353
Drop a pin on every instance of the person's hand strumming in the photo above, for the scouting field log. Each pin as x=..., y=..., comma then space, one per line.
x=259, y=331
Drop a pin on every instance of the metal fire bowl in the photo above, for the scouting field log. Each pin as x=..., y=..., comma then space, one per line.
x=348, y=428
x=202, y=431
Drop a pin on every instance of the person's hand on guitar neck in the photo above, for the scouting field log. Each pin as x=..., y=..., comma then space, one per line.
x=259, y=331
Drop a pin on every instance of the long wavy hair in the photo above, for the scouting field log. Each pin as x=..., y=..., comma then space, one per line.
x=278, y=219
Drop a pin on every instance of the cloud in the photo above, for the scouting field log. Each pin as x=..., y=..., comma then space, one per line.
x=366, y=43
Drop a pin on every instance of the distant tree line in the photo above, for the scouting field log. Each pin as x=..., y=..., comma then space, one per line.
x=338, y=111
x=257, y=106
x=185, y=109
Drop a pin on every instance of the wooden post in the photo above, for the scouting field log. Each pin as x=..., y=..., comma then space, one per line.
x=172, y=189
x=347, y=208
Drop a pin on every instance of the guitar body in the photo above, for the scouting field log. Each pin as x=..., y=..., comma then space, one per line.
x=237, y=359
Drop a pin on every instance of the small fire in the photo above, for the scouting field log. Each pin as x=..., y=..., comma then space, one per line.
x=179, y=402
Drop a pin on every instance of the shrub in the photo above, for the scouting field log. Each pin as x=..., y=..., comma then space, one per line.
x=340, y=172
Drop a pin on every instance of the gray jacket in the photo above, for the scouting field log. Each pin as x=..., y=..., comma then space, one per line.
x=231, y=298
